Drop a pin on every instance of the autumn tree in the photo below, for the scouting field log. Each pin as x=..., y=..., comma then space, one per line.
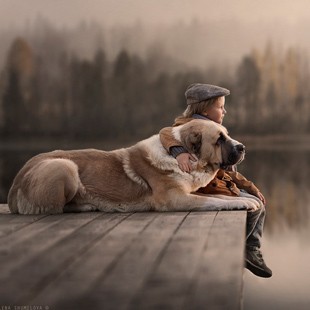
x=87, y=95
x=248, y=86
x=18, y=112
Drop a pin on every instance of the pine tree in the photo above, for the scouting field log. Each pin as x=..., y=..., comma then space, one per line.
x=18, y=114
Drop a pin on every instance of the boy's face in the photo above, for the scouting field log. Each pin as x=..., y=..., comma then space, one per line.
x=216, y=111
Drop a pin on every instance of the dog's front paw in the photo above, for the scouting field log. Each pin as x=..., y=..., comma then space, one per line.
x=233, y=205
x=251, y=206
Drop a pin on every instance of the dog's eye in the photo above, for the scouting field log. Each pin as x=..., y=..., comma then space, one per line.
x=220, y=139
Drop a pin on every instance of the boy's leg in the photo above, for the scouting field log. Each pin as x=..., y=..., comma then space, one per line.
x=255, y=226
x=254, y=230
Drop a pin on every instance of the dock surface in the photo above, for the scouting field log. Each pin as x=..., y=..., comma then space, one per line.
x=149, y=260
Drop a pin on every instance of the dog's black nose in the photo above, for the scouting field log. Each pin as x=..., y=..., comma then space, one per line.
x=240, y=148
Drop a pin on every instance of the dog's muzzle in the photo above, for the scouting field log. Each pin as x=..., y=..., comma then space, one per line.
x=235, y=155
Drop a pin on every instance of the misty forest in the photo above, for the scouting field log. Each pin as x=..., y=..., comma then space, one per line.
x=51, y=88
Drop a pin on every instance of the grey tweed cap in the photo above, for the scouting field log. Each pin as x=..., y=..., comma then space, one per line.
x=199, y=92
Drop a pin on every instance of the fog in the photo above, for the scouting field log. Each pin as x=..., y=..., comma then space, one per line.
x=70, y=12
x=194, y=33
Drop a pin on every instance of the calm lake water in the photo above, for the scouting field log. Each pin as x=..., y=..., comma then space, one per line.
x=283, y=177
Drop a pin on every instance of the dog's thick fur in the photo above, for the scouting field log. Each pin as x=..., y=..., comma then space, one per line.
x=139, y=178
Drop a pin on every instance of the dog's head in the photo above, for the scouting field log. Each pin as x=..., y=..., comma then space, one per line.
x=211, y=143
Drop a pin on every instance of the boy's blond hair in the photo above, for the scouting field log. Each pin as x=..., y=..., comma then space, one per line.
x=196, y=108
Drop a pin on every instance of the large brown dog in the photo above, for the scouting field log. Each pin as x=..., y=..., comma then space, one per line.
x=139, y=178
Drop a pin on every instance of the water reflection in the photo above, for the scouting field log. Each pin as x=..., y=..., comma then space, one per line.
x=288, y=254
x=10, y=163
x=284, y=179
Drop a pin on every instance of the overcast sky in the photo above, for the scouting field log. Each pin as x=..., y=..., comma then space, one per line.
x=70, y=12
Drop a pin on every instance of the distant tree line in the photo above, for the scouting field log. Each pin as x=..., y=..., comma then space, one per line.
x=271, y=93
x=62, y=94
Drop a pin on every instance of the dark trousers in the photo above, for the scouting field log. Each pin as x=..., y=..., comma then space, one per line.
x=255, y=223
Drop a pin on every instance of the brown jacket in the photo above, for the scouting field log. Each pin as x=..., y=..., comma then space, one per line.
x=225, y=182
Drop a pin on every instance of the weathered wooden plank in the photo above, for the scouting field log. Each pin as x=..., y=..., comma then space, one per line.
x=128, y=277
x=26, y=264
x=22, y=246
x=10, y=223
x=133, y=261
x=93, y=265
x=171, y=280
x=125, y=277
x=220, y=274
x=28, y=280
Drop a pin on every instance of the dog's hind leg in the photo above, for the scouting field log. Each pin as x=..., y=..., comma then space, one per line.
x=47, y=187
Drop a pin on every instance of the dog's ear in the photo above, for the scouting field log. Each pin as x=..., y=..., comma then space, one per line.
x=193, y=142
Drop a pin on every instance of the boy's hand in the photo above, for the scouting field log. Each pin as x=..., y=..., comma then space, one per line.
x=184, y=161
x=261, y=197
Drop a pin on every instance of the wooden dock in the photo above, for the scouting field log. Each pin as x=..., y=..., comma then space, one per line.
x=150, y=260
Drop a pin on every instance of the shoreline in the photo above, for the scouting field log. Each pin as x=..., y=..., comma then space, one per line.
x=255, y=142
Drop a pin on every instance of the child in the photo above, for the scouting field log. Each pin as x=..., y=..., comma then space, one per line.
x=207, y=102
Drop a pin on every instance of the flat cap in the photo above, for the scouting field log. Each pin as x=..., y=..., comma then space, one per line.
x=199, y=92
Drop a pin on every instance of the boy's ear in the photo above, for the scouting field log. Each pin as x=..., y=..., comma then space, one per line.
x=193, y=142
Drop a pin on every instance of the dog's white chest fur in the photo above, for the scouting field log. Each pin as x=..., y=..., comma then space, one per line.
x=159, y=158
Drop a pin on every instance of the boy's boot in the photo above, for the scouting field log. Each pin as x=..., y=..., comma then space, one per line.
x=255, y=263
